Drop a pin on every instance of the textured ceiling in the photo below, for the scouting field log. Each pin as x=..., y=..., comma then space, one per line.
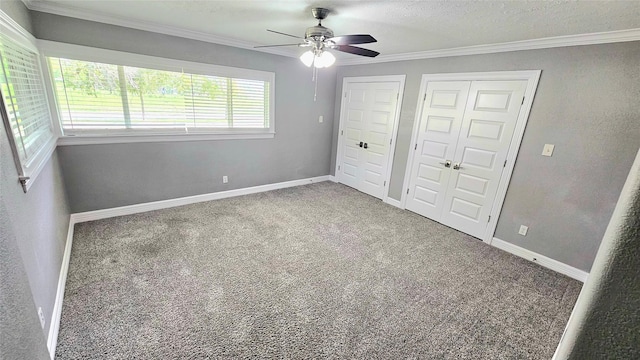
x=400, y=26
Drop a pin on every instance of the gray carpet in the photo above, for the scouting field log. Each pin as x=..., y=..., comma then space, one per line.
x=317, y=271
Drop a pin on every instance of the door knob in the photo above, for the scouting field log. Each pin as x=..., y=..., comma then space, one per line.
x=365, y=145
x=359, y=144
x=457, y=166
x=446, y=163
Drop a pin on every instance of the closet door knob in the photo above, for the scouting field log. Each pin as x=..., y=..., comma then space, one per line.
x=446, y=163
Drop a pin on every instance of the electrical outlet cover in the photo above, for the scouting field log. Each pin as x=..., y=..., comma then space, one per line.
x=41, y=316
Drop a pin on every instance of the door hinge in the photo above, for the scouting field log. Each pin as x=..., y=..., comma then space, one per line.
x=345, y=95
x=407, y=191
x=415, y=147
x=397, y=96
x=338, y=167
x=522, y=101
x=489, y=220
x=425, y=97
x=385, y=184
x=341, y=132
x=505, y=164
x=390, y=141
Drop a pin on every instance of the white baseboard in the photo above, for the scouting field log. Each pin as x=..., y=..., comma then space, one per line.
x=549, y=263
x=164, y=204
x=54, y=325
x=333, y=178
x=394, y=202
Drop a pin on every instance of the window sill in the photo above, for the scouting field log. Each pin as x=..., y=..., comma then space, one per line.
x=122, y=139
x=33, y=170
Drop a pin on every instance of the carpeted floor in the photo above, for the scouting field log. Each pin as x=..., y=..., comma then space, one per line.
x=317, y=271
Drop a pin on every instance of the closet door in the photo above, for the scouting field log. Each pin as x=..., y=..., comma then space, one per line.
x=367, y=124
x=463, y=139
x=440, y=123
x=487, y=128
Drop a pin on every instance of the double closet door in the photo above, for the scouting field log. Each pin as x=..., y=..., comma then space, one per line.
x=368, y=115
x=462, y=143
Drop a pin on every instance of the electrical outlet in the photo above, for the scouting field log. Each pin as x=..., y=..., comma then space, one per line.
x=523, y=230
x=321, y=119
x=548, y=149
x=225, y=179
x=41, y=316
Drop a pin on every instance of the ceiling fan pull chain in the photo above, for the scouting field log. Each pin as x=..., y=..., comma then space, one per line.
x=315, y=90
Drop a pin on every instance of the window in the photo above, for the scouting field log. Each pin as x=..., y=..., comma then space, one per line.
x=158, y=97
x=25, y=110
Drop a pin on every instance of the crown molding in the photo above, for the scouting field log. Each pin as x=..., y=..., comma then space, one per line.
x=533, y=44
x=70, y=11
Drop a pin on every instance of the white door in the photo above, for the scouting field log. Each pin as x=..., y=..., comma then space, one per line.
x=367, y=119
x=438, y=132
x=487, y=128
x=464, y=197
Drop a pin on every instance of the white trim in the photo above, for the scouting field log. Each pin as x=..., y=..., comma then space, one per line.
x=544, y=261
x=17, y=32
x=400, y=79
x=33, y=166
x=91, y=140
x=76, y=218
x=66, y=10
x=54, y=326
x=533, y=44
x=39, y=161
x=540, y=43
x=333, y=179
x=394, y=202
x=164, y=204
x=88, y=53
x=532, y=77
x=85, y=53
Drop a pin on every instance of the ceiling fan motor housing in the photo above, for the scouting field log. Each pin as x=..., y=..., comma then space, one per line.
x=318, y=33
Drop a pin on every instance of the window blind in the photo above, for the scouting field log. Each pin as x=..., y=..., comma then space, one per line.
x=103, y=99
x=24, y=98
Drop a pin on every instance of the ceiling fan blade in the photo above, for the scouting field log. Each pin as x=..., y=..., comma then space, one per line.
x=353, y=39
x=265, y=46
x=356, y=50
x=285, y=34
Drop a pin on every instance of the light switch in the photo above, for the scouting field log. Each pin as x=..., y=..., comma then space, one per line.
x=548, y=149
x=321, y=119
x=523, y=230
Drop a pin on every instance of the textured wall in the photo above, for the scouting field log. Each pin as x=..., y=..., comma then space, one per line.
x=34, y=229
x=586, y=104
x=104, y=176
x=605, y=323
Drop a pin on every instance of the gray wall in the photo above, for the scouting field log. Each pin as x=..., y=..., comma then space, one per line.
x=605, y=323
x=586, y=104
x=34, y=230
x=105, y=176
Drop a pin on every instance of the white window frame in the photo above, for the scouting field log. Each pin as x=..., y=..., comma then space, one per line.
x=28, y=171
x=85, y=53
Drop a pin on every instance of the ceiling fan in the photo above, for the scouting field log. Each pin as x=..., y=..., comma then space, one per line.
x=320, y=39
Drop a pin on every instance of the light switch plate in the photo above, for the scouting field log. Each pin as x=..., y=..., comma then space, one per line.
x=548, y=149
x=523, y=230
x=321, y=119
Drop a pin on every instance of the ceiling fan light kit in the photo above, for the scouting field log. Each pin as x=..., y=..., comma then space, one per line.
x=319, y=59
